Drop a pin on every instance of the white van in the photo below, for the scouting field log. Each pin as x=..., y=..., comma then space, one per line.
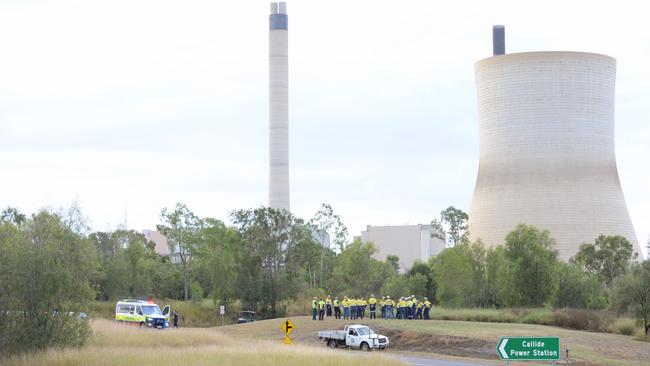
x=144, y=313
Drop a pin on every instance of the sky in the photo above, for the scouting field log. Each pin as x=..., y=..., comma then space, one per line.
x=127, y=107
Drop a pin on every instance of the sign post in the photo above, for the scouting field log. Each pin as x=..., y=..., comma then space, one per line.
x=222, y=312
x=287, y=327
x=529, y=348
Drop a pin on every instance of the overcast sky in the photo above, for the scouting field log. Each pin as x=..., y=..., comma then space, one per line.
x=135, y=105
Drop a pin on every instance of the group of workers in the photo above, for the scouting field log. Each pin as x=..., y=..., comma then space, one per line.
x=408, y=307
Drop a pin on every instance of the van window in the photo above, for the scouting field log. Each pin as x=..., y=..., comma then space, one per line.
x=139, y=310
x=125, y=309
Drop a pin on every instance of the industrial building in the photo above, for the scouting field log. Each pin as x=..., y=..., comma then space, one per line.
x=278, y=107
x=547, y=158
x=408, y=242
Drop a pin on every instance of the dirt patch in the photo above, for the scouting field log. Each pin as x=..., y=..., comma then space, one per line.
x=407, y=340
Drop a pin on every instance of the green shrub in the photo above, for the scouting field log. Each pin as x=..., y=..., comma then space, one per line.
x=623, y=326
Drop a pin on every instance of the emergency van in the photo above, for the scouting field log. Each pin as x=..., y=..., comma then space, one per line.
x=144, y=313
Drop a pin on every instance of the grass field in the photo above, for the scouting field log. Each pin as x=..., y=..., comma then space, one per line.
x=114, y=344
x=463, y=339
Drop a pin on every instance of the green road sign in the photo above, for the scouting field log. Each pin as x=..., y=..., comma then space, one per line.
x=529, y=348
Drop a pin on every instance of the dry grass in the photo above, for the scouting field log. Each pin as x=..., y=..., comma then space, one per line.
x=463, y=339
x=114, y=344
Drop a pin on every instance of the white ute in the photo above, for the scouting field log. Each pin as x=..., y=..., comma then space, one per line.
x=354, y=336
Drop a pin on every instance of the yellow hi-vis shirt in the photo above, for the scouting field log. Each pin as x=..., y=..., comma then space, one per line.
x=372, y=301
x=314, y=304
x=402, y=304
x=409, y=304
x=427, y=304
x=389, y=302
x=321, y=304
x=345, y=303
x=328, y=301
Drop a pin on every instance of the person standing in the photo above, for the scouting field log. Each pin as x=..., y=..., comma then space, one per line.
x=353, y=308
x=390, y=304
x=418, y=314
x=337, y=308
x=409, y=307
x=402, y=308
x=314, y=309
x=372, y=302
x=427, y=307
x=175, y=319
x=346, y=308
x=362, y=309
x=328, y=303
x=414, y=307
x=382, y=305
x=321, y=309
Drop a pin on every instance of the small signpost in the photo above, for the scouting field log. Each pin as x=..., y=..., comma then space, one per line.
x=529, y=349
x=287, y=327
x=222, y=312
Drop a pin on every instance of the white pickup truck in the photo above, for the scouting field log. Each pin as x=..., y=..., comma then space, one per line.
x=355, y=336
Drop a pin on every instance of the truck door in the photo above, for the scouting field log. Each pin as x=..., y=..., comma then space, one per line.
x=165, y=312
x=352, y=338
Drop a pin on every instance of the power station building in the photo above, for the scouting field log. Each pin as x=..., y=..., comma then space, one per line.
x=278, y=107
x=408, y=242
x=546, y=135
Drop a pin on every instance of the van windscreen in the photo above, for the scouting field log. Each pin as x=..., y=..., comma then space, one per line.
x=151, y=310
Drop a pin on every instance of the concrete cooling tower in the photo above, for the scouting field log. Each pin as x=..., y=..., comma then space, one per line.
x=278, y=107
x=546, y=135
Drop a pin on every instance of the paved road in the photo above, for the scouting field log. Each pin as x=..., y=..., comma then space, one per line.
x=423, y=361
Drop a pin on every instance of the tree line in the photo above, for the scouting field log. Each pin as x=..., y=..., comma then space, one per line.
x=51, y=266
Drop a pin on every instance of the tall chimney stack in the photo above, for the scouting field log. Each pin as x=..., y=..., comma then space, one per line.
x=278, y=107
x=498, y=40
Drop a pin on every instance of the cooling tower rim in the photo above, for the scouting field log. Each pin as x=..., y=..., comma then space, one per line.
x=537, y=54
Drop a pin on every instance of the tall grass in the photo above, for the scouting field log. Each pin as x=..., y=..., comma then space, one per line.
x=114, y=344
x=191, y=314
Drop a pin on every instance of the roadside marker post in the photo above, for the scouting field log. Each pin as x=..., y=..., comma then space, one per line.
x=287, y=327
x=529, y=349
x=222, y=312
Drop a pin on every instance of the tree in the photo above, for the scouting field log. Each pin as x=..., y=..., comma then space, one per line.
x=46, y=271
x=268, y=236
x=498, y=272
x=452, y=227
x=393, y=261
x=181, y=227
x=428, y=288
x=357, y=272
x=534, y=260
x=631, y=292
x=578, y=289
x=455, y=277
x=216, y=267
x=326, y=223
x=13, y=215
x=608, y=257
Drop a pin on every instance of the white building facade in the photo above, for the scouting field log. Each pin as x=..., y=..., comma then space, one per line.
x=408, y=242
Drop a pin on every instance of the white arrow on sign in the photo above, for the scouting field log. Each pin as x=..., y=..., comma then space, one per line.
x=502, y=348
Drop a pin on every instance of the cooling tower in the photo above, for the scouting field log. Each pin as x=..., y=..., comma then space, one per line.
x=546, y=134
x=278, y=107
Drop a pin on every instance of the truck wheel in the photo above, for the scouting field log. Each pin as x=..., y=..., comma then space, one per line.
x=365, y=347
x=141, y=324
x=331, y=343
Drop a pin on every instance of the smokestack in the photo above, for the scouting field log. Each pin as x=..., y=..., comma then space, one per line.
x=278, y=107
x=498, y=40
